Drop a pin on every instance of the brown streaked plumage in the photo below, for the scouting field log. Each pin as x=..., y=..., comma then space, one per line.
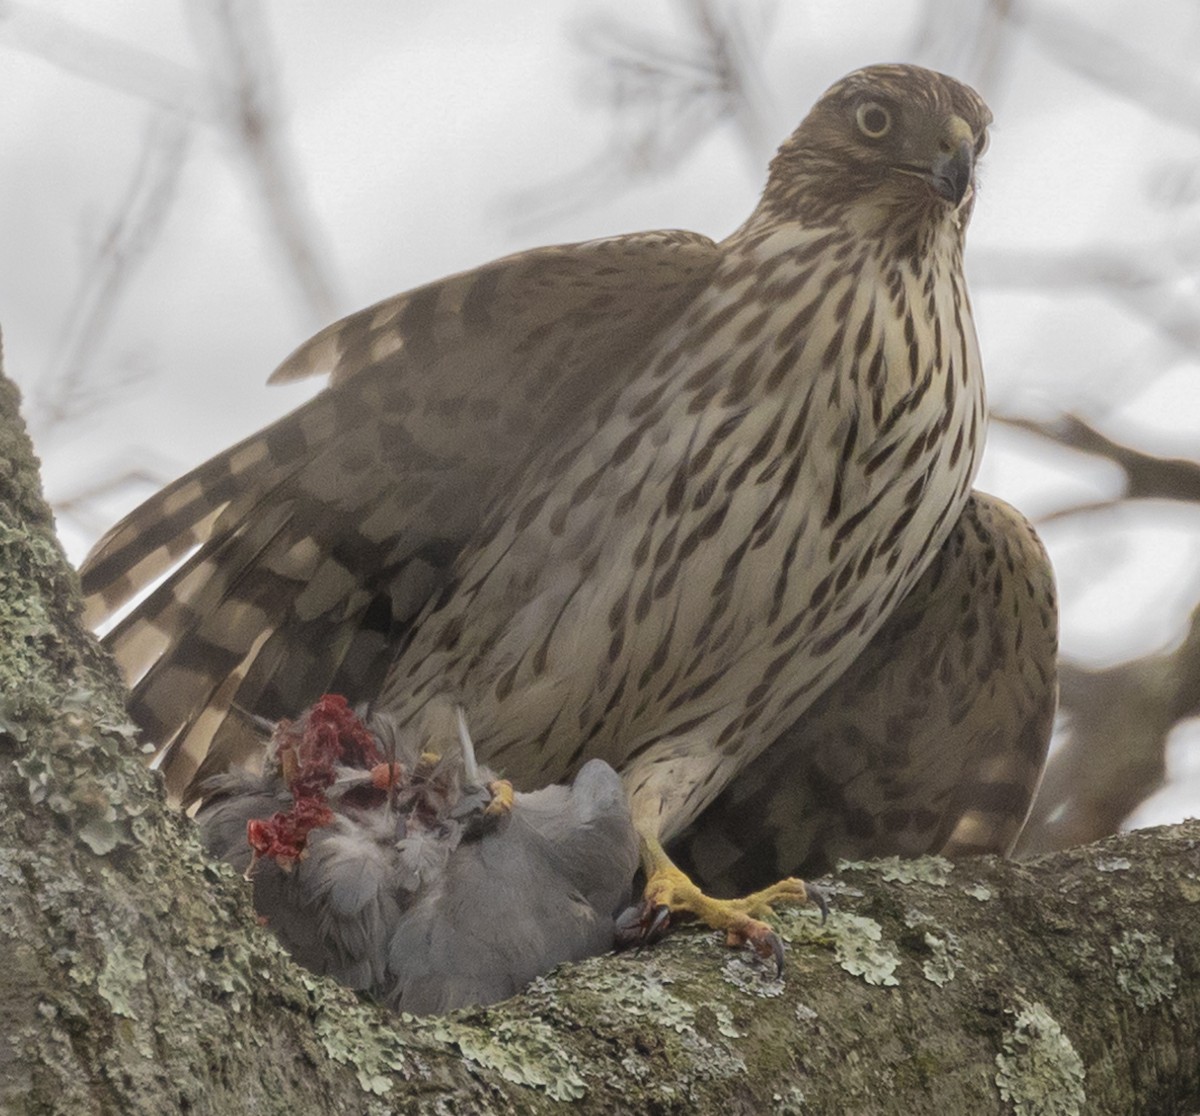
x=933, y=740
x=642, y=499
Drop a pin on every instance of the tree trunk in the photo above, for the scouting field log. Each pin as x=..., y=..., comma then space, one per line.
x=134, y=979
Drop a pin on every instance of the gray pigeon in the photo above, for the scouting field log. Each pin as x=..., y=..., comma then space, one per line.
x=418, y=878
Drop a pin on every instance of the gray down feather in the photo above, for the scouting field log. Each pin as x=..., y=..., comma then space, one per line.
x=426, y=919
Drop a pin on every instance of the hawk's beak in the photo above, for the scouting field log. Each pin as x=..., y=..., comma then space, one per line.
x=951, y=170
x=950, y=175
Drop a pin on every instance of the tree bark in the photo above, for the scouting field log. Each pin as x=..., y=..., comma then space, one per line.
x=133, y=977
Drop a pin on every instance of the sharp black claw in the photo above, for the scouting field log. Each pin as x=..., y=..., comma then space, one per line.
x=627, y=927
x=820, y=898
x=776, y=944
x=640, y=925
x=659, y=924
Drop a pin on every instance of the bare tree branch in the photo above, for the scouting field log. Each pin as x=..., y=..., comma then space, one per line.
x=1118, y=719
x=1113, y=754
x=81, y=504
x=973, y=40
x=666, y=93
x=1111, y=63
x=234, y=39
x=933, y=988
x=104, y=60
x=1147, y=477
x=669, y=91
x=1141, y=279
x=734, y=51
x=65, y=390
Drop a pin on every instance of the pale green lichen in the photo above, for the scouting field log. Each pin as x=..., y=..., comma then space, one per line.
x=725, y=1024
x=943, y=962
x=712, y=1060
x=231, y=973
x=1145, y=967
x=803, y=924
x=791, y=1103
x=978, y=891
x=624, y=988
x=1039, y=1072
x=72, y=772
x=753, y=977
x=861, y=950
x=613, y=991
x=805, y=1014
x=372, y=1052
x=67, y=698
x=933, y=870
x=525, y=1052
x=1113, y=863
x=122, y=978
x=651, y=998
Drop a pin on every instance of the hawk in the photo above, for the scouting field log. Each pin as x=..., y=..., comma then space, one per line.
x=642, y=499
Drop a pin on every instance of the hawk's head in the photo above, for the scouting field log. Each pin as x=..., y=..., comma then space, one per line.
x=901, y=139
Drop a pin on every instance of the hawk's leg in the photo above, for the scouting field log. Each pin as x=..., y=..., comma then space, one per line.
x=669, y=893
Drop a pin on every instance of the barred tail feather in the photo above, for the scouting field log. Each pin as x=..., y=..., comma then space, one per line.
x=255, y=615
x=197, y=507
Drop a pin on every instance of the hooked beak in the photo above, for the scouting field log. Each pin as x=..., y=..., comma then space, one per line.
x=951, y=173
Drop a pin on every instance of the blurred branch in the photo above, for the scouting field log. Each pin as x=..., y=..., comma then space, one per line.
x=104, y=60
x=1139, y=279
x=1111, y=63
x=235, y=41
x=1119, y=718
x=669, y=91
x=666, y=93
x=734, y=52
x=1113, y=755
x=243, y=97
x=1147, y=477
x=64, y=393
x=972, y=40
x=80, y=505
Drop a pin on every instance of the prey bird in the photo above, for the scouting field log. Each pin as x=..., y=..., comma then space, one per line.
x=419, y=880
x=645, y=500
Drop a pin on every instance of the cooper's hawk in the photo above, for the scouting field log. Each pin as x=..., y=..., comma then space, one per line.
x=641, y=499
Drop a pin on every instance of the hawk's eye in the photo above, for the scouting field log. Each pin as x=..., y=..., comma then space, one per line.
x=981, y=144
x=874, y=121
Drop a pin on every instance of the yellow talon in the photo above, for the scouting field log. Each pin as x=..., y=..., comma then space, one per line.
x=669, y=887
x=502, y=797
x=428, y=761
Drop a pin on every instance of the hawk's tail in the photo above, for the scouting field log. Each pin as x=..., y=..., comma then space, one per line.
x=262, y=605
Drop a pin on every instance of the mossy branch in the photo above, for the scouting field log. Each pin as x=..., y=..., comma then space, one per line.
x=134, y=978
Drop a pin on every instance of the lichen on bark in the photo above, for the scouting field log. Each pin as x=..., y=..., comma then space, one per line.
x=134, y=978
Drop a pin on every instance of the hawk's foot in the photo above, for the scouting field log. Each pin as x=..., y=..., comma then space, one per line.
x=501, y=804
x=670, y=893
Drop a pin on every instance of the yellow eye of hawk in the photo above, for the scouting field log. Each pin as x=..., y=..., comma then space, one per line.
x=874, y=121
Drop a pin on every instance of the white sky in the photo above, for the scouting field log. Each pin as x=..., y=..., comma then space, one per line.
x=414, y=127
